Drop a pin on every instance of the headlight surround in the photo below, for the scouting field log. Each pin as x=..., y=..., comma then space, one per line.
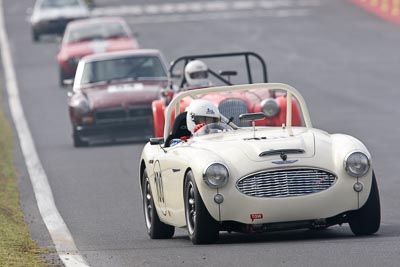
x=216, y=175
x=356, y=164
x=80, y=104
x=83, y=107
x=270, y=107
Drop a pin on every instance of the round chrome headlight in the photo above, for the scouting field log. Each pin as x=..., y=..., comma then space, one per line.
x=356, y=164
x=270, y=107
x=216, y=175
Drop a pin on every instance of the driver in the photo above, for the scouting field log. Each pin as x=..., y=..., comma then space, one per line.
x=201, y=112
x=196, y=74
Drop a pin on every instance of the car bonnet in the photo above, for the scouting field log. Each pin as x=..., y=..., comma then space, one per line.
x=268, y=144
x=123, y=93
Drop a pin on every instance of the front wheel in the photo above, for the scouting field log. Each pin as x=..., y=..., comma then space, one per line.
x=78, y=142
x=156, y=229
x=367, y=219
x=35, y=35
x=202, y=228
x=62, y=77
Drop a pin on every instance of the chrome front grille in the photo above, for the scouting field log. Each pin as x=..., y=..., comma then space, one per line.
x=233, y=107
x=121, y=114
x=286, y=183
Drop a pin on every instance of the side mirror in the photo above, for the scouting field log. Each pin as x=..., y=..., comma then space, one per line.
x=252, y=116
x=156, y=140
x=176, y=75
x=167, y=92
x=68, y=83
x=228, y=72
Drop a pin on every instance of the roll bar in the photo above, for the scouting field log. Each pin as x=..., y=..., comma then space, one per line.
x=246, y=55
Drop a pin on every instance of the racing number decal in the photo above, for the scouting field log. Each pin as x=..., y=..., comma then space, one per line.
x=159, y=187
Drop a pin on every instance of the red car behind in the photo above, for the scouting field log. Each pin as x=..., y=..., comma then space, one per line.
x=271, y=102
x=89, y=36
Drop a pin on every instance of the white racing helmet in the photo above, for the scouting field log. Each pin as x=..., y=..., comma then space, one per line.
x=196, y=74
x=201, y=111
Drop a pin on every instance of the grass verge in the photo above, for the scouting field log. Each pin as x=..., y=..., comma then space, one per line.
x=16, y=245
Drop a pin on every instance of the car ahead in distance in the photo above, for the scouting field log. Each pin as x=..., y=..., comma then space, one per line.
x=255, y=179
x=52, y=16
x=231, y=105
x=112, y=95
x=89, y=36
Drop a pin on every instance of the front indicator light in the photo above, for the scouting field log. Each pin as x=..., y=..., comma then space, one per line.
x=88, y=120
x=358, y=187
x=218, y=198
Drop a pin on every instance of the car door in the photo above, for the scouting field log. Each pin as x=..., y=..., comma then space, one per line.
x=169, y=170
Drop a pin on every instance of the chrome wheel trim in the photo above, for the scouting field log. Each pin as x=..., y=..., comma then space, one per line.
x=190, y=208
x=147, y=199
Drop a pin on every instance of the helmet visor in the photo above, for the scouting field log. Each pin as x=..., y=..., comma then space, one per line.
x=199, y=75
x=205, y=119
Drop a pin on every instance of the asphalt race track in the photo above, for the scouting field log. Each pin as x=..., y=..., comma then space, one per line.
x=344, y=60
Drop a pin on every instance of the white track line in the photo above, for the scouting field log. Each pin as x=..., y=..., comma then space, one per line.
x=55, y=224
x=202, y=7
x=160, y=19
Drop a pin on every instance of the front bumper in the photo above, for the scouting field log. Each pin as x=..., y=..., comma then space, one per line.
x=138, y=129
x=53, y=26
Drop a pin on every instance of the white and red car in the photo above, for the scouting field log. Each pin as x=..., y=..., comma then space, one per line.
x=91, y=36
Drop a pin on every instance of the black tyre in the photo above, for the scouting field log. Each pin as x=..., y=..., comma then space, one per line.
x=62, y=77
x=156, y=229
x=202, y=228
x=367, y=219
x=78, y=142
x=35, y=36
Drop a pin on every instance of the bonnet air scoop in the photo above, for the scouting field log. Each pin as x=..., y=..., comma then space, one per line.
x=273, y=152
x=277, y=143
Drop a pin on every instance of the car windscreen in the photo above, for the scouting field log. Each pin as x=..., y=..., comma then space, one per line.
x=236, y=107
x=127, y=68
x=211, y=128
x=58, y=3
x=96, y=31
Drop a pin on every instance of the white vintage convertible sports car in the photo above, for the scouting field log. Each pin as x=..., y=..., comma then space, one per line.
x=256, y=178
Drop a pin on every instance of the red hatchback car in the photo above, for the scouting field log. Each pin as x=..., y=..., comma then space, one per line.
x=89, y=36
